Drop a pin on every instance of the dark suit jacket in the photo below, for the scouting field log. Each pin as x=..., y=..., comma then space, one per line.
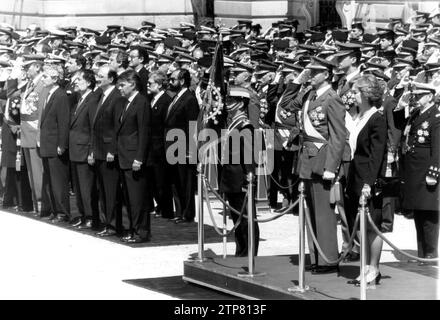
x=369, y=155
x=73, y=97
x=80, y=128
x=184, y=110
x=54, y=124
x=104, y=126
x=158, y=114
x=333, y=130
x=143, y=74
x=133, y=131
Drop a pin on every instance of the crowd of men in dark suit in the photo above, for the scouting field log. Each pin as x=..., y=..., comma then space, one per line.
x=94, y=108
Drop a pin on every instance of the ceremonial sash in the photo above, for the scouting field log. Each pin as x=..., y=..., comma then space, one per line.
x=309, y=129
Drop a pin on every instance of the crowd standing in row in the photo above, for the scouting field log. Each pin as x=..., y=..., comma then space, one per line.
x=352, y=112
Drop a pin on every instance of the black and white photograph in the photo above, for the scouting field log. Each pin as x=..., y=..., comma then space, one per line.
x=219, y=155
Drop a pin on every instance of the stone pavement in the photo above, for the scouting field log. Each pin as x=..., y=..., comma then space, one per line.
x=44, y=261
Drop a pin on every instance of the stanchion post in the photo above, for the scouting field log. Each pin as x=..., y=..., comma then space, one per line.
x=251, y=231
x=225, y=231
x=301, y=263
x=201, y=235
x=363, y=202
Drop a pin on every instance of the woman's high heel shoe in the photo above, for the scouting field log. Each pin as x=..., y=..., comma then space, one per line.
x=371, y=282
x=358, y=279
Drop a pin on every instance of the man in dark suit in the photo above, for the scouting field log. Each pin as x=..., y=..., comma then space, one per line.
x=181, y=168
x=104, y=151
x=160, y=101
x=74, y=65
x=83, y=175
x=324, y=135
x=138, y=57
x=54, y=141
x=133, y=143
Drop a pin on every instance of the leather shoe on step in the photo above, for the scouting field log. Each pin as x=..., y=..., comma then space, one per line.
x=85, y=225
x=59, y=219
x=75, y=222
x=107, y=232
x=183, y=221
x=310, y=267
x=325, y=269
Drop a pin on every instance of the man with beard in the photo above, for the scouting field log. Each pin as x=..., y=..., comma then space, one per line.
x=181, y=173
x=160, y=100
x=104, y=151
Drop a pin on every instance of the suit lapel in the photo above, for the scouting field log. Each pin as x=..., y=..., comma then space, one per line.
x=124, y=113
x=81, y=108
x=100, y=105
x=49, y=105
x=175, y=103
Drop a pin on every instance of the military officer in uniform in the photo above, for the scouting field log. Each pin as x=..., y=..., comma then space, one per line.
x=421, y=150
x=324, y=136
x=236, y=164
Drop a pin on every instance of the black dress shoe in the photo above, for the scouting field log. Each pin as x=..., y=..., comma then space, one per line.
x=136, y=239
x=59, y=219
x=325, y=269
x=183, y=221
x=75, y=222
x=107, y=232
x=127, y=238
x=85, y=225
x=49, y=217
x=176, y=218
x=310, y=267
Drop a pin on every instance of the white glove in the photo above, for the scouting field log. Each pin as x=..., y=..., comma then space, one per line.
x=327, y=175
x=91, y=159
x=430, y=181
x=110, y=157
x=136, y=165
x=366, y=191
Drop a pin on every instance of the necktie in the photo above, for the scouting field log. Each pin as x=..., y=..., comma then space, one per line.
x=30, y=87
x=312, y=95
x=172, y=104
x=123, y=111
x=79, y=104
x=341, y=84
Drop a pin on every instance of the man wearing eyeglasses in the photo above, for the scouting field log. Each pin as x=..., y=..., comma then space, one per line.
x=137, y=59
x=183, y=109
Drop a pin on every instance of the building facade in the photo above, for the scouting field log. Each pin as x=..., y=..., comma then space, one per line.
x=167, y=13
